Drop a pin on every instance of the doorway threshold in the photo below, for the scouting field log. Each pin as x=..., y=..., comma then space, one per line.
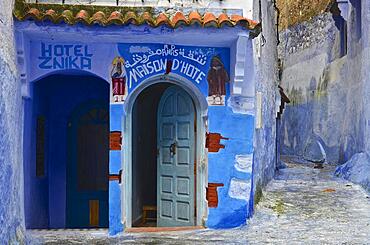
x=162, y=229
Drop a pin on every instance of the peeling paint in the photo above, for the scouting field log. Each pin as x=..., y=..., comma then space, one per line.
x=243, y=163
x=242, y=105
x=239, y=189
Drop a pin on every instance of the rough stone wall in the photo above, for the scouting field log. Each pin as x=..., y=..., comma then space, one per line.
x=325, y=89
x=297, y=11
x=265, y=60
x=11, y=193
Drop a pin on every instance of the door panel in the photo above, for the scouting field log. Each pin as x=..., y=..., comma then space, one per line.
x=175, y=177
x=87, y=172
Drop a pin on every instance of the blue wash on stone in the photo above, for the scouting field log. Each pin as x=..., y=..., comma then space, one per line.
x=238, y=128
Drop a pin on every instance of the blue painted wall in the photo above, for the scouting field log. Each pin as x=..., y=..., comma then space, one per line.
x=36, y=193
x=45, y=198
x=234, y=197
x=264, y=156
x=142, y=61
x=11, y=218
x=115, y=224
x=231, y=212
x=11, y=115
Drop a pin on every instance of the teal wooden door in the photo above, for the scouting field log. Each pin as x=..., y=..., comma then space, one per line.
x=87, y=169
x=175, y=165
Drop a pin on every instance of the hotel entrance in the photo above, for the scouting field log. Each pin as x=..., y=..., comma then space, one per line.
x=66, y=153
x=163, y=158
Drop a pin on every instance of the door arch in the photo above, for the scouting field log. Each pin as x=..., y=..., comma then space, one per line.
x=201, y=181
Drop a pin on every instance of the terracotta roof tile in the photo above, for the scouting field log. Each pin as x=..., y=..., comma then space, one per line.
x=50, y=15
x=115, y=18
x=209, y=19
x=98, y=17
x=32, y=13
x=82, y=17
x=162, y=19
x=223, y=19
x=66, y=16
x=147, y=17
x=130, y=18
x=50, y=12
x=179, y=19
x=83, y=14
x=72, y=14
x=195, y=18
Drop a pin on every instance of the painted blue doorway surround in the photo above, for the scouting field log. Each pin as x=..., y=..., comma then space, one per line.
x=176, y=159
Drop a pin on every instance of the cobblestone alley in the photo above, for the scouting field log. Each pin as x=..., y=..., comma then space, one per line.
x=302, y=205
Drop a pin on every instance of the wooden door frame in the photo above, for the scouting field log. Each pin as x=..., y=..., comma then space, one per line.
x=201, y=160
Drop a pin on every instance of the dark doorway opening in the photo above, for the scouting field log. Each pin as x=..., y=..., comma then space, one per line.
x=144, y=155
x=55, y=156
x=87, y=168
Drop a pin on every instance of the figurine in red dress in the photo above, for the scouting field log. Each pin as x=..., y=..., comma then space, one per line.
x=119, y=79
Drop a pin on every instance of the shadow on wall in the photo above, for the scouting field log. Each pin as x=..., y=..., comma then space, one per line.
x=298, y=118
x=308, y=125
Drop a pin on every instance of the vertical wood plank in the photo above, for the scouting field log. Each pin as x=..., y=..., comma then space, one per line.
x=94, y=213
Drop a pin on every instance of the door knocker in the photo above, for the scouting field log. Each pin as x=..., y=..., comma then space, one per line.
x=173, y=148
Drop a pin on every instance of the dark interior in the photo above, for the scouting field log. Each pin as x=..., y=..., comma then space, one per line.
x=144, y=153
x=53, y=142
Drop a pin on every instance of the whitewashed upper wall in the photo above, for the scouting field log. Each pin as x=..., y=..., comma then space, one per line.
x=245, y=7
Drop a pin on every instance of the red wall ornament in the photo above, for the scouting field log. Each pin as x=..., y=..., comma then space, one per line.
x=115, y=140
x=212, y=195
x=213, y=142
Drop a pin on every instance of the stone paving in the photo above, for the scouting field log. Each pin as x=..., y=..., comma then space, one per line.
x=302, y=205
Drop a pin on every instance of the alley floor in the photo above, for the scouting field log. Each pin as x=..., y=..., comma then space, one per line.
x=302, y=205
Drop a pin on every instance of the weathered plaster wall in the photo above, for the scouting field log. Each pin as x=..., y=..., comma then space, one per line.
x=265, y=57
x=227, y=167
x=324, y=87
x=356, y=169
x=11, y=208
x=365, y=70
x=242, y=7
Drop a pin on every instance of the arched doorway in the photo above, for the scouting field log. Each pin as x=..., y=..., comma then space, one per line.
x=66, y=123
x=144, y=153
x=163, y=186
x=176, y=167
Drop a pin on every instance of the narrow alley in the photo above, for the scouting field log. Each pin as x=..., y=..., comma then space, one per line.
x=184, y=122
x=301, y=205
